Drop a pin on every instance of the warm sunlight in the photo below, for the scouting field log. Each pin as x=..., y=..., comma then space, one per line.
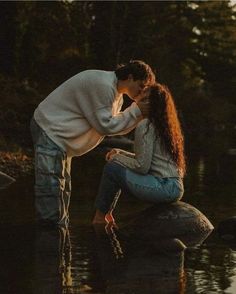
x=117, y=146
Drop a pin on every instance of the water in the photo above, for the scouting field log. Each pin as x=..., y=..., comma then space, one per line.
x=82, y=260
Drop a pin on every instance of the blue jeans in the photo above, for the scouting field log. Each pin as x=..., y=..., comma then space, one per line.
x=144, y=187
x=52, y=179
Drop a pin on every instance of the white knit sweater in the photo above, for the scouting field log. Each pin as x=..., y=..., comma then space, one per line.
x=80, y=112
x=149, y=157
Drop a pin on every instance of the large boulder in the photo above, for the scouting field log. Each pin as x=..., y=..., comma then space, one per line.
x=147, y=255
x=174, y=220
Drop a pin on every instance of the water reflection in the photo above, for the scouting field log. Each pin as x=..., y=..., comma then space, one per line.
x=49, y=260
x=82, y=261
x=201, y=173
x=131, y=266
x=126, y=266
x=210, y=268
x=63, y=263
x=52, y=262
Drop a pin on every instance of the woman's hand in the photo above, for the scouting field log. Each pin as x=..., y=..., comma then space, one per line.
x=143, y=102
x=110, y=154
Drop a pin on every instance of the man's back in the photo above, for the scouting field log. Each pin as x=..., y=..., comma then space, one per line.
x=63, y=114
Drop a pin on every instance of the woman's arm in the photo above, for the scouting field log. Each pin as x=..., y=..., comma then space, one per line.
x=114, y=151
x=143, y=146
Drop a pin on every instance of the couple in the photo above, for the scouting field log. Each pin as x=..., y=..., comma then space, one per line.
x=77, y=115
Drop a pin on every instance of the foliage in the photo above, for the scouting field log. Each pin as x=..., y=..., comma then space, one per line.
x=18, y=101
x=190, y=44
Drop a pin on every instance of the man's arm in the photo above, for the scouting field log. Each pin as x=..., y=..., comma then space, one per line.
x=100, y=106
x=109, y=125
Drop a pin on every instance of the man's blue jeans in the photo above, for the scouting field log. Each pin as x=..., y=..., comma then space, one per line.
x=52, y=179
x=145, y=187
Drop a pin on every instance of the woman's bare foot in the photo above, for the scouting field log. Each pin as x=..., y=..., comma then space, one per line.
x=110, y=221
x=101, y=218
x=109, y=217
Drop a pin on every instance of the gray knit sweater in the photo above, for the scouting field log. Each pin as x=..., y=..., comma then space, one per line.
x=80, y=112
x=149, y=156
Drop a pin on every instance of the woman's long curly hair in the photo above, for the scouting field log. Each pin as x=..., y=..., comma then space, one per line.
x=163, y=115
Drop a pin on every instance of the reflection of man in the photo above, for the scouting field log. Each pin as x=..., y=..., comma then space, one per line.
x=74, y=119
x=52, y=262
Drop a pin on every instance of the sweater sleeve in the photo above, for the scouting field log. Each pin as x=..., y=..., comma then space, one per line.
x=119, y=124
x=98, y=108
x=143, y=146
x=124, y=152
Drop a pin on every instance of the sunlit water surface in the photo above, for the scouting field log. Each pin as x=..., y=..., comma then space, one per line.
x=82, y=260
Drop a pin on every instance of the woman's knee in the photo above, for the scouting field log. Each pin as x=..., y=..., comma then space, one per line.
x=116, y=172
x=113, y=168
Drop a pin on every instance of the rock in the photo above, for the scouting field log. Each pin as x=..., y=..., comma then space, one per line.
x=175, y=220
x=5, y=180
x=147, y=255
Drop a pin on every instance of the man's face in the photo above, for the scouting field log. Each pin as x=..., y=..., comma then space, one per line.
x=135, y=89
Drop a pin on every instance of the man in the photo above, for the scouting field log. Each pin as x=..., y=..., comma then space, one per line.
x=72, y=120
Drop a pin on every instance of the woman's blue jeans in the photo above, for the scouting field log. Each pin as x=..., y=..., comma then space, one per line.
x=117, y=178
x=52, y=179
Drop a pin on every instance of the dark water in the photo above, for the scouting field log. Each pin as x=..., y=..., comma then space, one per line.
x=82, y=260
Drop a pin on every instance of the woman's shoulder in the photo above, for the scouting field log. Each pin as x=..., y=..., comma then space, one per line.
x=145, y=125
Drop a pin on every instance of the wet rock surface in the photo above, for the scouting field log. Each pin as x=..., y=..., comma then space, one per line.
x=168, y=221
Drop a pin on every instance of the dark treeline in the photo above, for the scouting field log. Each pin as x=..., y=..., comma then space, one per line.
x=190, y=44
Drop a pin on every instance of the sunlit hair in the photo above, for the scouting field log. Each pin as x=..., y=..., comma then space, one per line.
x=138, y=69
x=163, y=115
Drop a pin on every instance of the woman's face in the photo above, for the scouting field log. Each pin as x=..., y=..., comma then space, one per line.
x=145, y=95
x=135, y=89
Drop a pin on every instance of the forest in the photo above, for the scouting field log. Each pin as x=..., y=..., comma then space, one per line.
x=191, y=45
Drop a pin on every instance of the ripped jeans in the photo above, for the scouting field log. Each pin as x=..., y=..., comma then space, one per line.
x=144, y=187
x=52, y=179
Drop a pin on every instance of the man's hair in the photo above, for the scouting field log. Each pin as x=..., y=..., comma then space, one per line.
x=138, y=69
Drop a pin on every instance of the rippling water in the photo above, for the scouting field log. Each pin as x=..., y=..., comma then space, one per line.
x=82, y=260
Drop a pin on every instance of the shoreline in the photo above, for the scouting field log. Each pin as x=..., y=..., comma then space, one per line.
x=16, y=164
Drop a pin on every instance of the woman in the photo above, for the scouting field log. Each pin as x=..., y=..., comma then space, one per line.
x=155, y=171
